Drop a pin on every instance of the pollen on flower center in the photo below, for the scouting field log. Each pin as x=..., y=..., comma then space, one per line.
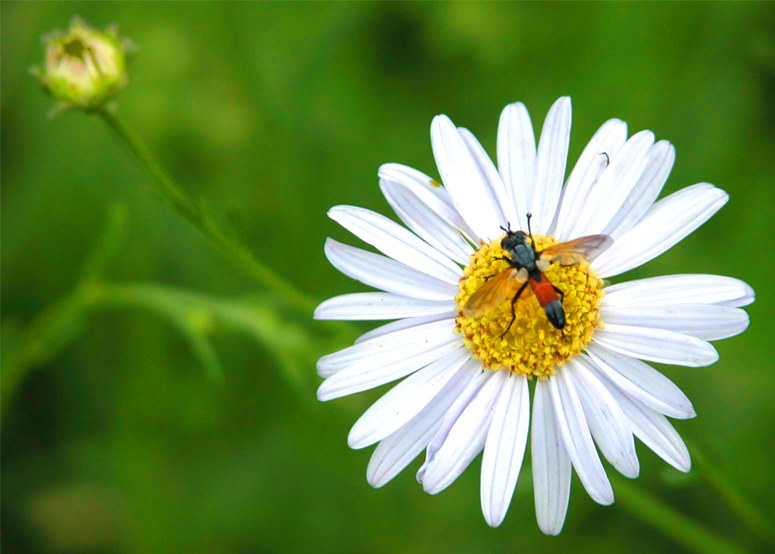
x=532, y=346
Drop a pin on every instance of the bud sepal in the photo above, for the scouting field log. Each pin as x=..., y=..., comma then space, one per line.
x=84, y=67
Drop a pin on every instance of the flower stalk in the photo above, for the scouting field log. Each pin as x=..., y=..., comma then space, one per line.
x=746, y=512
x=671, y=523
x=202, y=220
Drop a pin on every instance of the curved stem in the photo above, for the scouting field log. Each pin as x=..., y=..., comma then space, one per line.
x=194, y=213
x=739, y=504
x=51, y=331
x=675, y=525
x=195, y=315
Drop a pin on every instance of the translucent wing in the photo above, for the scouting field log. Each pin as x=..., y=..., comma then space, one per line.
x=576, y=251
x=494, y=291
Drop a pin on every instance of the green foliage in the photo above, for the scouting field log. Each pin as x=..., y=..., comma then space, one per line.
x=159, y=392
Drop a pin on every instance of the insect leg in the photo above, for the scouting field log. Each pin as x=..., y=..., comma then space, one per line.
x=513, y=307
x=558, y=290
x=607, y=159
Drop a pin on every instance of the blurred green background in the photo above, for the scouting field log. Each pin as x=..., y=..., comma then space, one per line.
x=115, y=438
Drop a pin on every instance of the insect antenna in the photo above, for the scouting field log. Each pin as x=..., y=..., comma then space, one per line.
x=529, y=230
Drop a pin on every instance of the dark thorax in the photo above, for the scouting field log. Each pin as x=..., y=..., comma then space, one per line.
x=522, y=254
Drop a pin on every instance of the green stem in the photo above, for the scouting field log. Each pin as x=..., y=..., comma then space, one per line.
x=195, y=315
x=680, y=528
x=50, y=332
x=201, y=220
x=746, y=512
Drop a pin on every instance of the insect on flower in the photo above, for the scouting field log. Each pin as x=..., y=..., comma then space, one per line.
x=464, y=388
x=526, y=265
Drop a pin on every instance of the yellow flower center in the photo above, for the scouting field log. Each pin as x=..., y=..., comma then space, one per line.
x=532, y=346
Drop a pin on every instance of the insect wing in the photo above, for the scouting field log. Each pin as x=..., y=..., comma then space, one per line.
x=492, y=293
x=576, y=251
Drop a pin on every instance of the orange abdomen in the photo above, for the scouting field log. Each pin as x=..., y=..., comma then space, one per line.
x=543, y=290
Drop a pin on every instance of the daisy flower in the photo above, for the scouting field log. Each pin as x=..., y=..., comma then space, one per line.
x=466, y=388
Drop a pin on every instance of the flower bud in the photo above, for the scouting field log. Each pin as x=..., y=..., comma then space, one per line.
x=83, y=67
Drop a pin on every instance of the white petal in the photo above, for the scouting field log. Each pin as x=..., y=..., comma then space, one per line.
x=656, y=345
x=578, y=440
x=660, y=161
x=405, y=323
x=397, y=451
x=652, y=428
x=609, y=426
x=642, y=382
x=425, y=222
x=396, y=242
x=379, y=305
x=462, y=180
x=704, y=321
x=683, y=289
x=550, y=165
x=591, y=164
x=386, y=274
x=505, y=449
x=551, y=464
x=611, y=191
x=355, y=379
x=405, y=400
x=499, y=197
x=516, y=158
x=466, y=438
x=391, y=347
x=667, y=223
x=743, y=301
x=452, y=415
x=428, y=191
